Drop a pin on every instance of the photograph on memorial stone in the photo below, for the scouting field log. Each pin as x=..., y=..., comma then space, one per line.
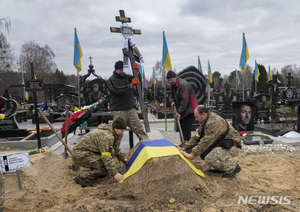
x=243, y=116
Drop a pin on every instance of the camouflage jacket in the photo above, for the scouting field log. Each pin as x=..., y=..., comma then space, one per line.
x=105, y=142
x=212, y=129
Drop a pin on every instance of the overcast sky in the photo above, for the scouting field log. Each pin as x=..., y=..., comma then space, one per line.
x=209, y=29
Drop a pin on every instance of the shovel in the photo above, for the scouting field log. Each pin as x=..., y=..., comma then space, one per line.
x=180, y=130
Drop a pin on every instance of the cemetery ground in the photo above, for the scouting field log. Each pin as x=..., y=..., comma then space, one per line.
x=269, y=181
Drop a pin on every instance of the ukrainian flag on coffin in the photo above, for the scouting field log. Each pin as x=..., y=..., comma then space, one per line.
x=153, y=149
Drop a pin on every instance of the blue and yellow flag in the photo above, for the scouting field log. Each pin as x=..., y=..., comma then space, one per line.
x=210, y=73
x=154, y=79
x=270, y=73
x=143, y=75
x=199, y=65
x=166, y=60
x=245, y=55
x=141, y=70
x=257, y=74
x=77, y=53
x=25, y=92
x=238, y=77
x=152, y=149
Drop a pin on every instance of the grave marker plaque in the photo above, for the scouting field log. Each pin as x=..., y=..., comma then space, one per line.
x=34, y=85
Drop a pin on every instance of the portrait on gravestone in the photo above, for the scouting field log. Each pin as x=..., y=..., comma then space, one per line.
x=262, y=101
x=243, y=116
x=96, y=89
x=95, y=94
x=220, y=101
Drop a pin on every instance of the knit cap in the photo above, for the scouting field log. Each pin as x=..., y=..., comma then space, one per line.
x=119, y=123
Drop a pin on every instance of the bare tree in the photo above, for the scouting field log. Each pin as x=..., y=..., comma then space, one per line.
x=6, y=54
x=6, y=62
x=42, y=58
x=5, y=23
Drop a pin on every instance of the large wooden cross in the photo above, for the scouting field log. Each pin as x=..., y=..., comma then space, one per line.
x=129, y=31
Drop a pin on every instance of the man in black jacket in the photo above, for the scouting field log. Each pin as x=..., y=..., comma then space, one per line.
x=122, y=102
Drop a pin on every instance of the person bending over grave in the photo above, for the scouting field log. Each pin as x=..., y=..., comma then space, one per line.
x=216, y=141
x=122, y=102
x=96, y=150
x=245, y=122
x=184, y=101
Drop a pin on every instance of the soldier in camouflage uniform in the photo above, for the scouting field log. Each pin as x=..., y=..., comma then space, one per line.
x=214, y=143
x=122, y=102
x=2, y=191
x=95, y=151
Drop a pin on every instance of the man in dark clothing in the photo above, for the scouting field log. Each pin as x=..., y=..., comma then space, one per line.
x=6, y=94
x=122, y=102
x=184, y=101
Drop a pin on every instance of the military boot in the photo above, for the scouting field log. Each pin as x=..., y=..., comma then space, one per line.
x=215, y=171
x=83, y=182
x=232, y=174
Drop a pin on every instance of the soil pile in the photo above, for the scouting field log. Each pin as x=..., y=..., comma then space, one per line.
x=162, y=184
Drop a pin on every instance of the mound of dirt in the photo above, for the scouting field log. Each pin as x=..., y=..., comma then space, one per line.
x=162, y=184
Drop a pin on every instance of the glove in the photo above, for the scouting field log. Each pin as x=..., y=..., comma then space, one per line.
x=135, y=66
x=134, y=82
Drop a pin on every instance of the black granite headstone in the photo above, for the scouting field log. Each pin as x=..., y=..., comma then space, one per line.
x=243, y=116
x=262, y=107
x=8, y=107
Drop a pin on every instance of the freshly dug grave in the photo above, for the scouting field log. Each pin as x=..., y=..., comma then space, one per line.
x=162, y=184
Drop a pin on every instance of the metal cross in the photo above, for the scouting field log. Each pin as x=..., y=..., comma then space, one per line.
x=289, y=77
x=90, y=60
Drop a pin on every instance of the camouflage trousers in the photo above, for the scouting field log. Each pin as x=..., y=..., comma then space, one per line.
x=92, y=161
x=133, y=122
x=219, y=157
x=2, y=191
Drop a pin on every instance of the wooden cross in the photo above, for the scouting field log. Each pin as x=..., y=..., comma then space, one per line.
x=128, y=31
x=289, y=77
x=124, y=30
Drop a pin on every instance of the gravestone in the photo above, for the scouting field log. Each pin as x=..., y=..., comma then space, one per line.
x=192, y=75
x=91, y=90
x=8, y=125
x=289, y=92
x=249, y=95
x=243, y=116
x=220, y=101
x=8, y=107
x=95, y=90
x=262, y=107
x=235, y=97
x=65, y=99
